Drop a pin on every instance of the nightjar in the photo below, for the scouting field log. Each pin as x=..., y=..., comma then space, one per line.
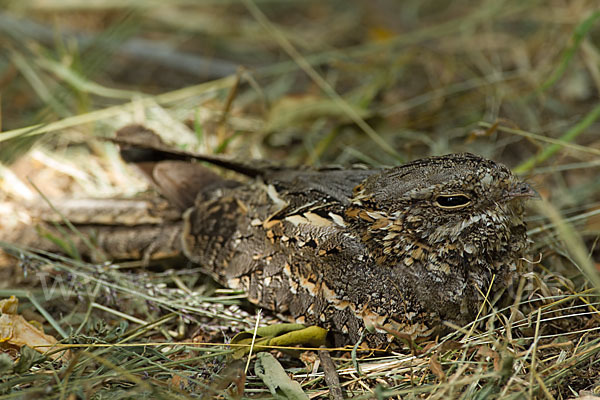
x=404, y=249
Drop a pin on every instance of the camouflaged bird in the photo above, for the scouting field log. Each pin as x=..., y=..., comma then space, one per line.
x=408, y=248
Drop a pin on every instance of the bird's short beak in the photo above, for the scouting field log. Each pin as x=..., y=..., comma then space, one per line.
x=523, y=189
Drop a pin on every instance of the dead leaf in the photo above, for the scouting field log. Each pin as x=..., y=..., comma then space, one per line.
x=279, y=335
x=277, y=380
x=487, y=352
x=436, y=367
x=16, y=331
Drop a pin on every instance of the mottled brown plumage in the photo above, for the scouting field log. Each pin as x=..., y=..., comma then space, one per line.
x=405, y=248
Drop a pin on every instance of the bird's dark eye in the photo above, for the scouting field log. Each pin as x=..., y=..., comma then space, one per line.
x=452, y=201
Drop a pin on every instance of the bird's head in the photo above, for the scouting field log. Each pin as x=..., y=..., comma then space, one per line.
x=466, y=201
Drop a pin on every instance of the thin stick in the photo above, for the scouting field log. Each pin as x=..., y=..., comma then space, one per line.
x=253, y=339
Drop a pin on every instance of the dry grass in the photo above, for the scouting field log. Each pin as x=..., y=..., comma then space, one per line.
x=323, y=82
